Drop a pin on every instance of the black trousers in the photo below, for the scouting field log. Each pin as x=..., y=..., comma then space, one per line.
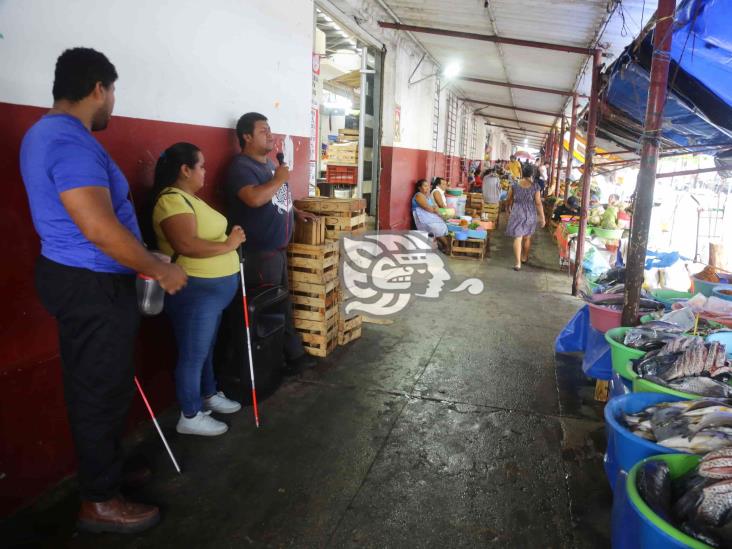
x=97, y=320
x=270, y=269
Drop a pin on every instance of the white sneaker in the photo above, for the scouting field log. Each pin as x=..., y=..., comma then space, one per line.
x=220, y=404
x=201, y=424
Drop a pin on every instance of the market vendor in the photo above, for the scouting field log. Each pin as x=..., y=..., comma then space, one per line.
x=260, y=202
x=439, y=185
x=571, y=207
x=426, y=214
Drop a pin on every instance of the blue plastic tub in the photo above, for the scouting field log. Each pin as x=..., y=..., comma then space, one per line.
x=461, y=235
x=624, y=449
x=705, y=288
x=477, y=233
x=635, y=525
x=724, y=338
x=717, y=291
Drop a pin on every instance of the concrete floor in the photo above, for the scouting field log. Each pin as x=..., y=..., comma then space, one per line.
x=456, y=426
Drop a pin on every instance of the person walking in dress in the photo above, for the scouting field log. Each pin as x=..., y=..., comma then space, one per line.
x=524, y=209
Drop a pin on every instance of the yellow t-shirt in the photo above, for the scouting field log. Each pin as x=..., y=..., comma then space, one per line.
x=210, y=225
x=515, y=168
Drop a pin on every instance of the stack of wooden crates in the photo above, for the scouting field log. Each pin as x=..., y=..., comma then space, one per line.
x=474, y=205
x=313, y=263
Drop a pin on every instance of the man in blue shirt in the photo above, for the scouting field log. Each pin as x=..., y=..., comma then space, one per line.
x=85, y=277
x=259, y=200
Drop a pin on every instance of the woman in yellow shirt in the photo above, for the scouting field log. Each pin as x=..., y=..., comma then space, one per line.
x=194, y=235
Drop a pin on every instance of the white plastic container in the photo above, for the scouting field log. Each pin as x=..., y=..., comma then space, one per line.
x=150, y=295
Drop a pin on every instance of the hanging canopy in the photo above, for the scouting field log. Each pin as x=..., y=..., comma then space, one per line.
x=699, y=106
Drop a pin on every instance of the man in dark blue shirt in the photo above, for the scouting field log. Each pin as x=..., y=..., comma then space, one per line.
x=259, y=200
x=85, y=277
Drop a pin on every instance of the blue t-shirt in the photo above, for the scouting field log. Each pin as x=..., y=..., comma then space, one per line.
x=58, y=154
x=268, y=227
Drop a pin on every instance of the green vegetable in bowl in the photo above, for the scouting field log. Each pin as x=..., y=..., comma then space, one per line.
x=610, y=218
x=473, y=226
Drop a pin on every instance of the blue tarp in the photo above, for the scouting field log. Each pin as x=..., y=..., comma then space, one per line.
x=579, y=336
x=699, y=107
x=628, y=92
x=703, y=32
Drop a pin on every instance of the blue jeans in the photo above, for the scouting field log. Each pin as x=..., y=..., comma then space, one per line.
x=195, y=312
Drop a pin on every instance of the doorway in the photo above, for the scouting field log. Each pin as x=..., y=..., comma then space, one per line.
x=347, y=96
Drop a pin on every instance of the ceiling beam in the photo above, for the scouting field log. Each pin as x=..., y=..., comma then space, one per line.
x=517, y=129
x=522, y=109
x=516, y=86
x=514, y=120
x=487, y=38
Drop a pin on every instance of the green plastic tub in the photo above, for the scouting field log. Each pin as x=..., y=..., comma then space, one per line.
x=621, y=354
x=610, y=234
x=667, y=297
x=641, y=385
x=652, y=529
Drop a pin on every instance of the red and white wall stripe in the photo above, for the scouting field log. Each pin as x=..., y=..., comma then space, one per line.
x=187, y=71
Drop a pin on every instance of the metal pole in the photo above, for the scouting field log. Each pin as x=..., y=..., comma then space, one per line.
x=552, y=152
x=587, y=175
x=570, y=154
x=561, y=150
x=657, y=94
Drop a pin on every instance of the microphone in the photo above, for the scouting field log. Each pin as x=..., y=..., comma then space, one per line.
x=281, y=158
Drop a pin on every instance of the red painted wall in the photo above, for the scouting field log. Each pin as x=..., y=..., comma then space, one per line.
x=400, y=170
x=35, y=444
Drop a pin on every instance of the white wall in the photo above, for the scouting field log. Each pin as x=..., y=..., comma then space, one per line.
x=178, y=60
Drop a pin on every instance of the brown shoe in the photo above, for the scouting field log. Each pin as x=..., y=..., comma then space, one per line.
x=117, y=515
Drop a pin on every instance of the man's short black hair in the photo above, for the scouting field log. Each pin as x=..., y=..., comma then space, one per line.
x=77, y=72
x=245, y=125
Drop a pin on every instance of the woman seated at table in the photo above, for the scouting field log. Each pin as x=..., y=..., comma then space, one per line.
x=426, y=214
x=438, y=192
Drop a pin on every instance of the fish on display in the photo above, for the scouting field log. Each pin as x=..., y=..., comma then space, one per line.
x=697, y=385
x=717, y=465
x=698, y=503
x=654, y=486
x=695, y=426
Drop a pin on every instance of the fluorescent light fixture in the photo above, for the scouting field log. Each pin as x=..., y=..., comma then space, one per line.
x=451, y=71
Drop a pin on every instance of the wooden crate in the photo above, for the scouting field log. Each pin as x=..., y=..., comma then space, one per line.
x=322, y=205
x=475, y=200
x=472, y=248
x=314, y=301
x=310, y=232
x=312, y=264
x=492, y=211
x=319, y=337
x=347, y=133
x=349, y=328
x=348, y=224
x=343, y=216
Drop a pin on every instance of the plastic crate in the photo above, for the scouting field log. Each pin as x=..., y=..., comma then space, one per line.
x=342, y=175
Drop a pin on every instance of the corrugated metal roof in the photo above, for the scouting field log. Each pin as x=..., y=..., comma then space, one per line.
x=566, y=22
